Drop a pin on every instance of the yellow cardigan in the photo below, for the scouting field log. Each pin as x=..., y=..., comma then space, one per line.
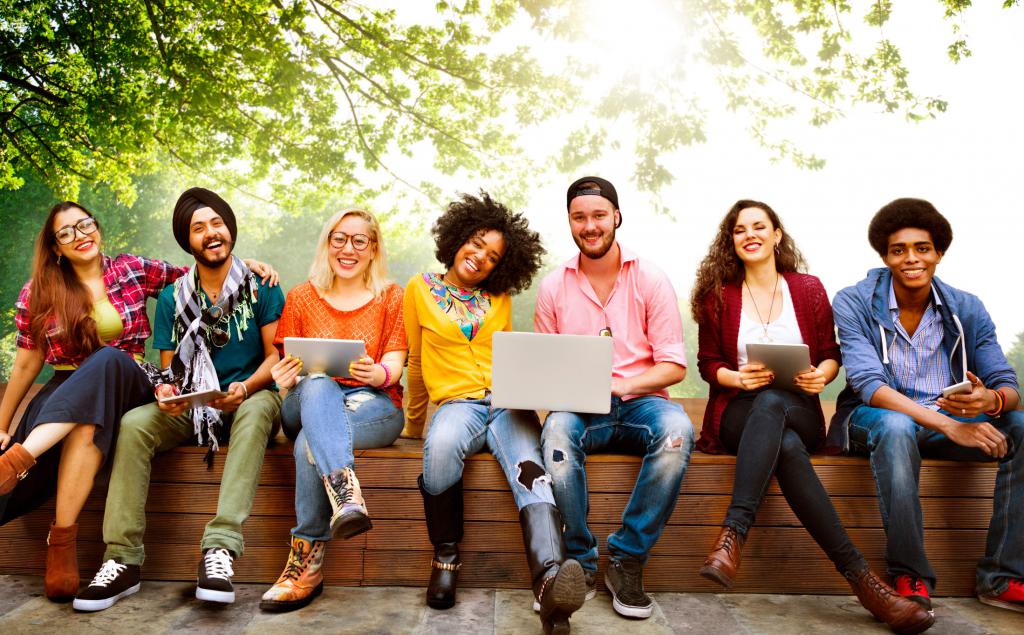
x=443, y=364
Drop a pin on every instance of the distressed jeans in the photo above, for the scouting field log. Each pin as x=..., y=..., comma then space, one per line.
x=145, y=431
x=462, y=427
x=896, y=444
x=652, y=427
x=328, y=422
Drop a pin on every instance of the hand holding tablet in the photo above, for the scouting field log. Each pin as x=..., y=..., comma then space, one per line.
x=330, y=357
x=787, y=362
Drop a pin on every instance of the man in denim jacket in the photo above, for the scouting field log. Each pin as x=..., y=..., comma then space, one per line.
x=905, y=336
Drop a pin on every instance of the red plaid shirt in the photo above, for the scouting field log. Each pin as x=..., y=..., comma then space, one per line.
x=129, y=281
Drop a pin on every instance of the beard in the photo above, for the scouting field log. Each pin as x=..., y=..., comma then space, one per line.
x=595, y=253
x=214, y=262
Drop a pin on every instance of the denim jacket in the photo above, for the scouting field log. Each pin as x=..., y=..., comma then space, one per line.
x=863, y=319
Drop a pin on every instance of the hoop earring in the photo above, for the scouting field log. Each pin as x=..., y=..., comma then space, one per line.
x=777, y=250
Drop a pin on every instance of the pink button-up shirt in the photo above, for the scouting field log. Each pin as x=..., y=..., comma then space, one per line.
x=642, y=312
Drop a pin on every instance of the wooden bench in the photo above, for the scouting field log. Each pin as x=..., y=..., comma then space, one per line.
x=779, y=556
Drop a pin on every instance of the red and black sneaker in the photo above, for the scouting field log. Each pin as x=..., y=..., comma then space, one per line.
x=913, y=589
x=1012, y=598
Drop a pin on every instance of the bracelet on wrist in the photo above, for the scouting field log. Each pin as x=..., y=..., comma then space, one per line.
x=1000, y=403
x=387, y=375
x=245, y=390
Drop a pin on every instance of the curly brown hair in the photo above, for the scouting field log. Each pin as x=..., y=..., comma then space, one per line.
x=721, y=266
x=464, y=218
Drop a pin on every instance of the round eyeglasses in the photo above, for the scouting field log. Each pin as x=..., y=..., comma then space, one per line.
x=66, y=234
x=359, y=241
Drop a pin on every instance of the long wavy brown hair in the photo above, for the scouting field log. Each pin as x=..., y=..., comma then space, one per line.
x=721, y=266
x=58, y=296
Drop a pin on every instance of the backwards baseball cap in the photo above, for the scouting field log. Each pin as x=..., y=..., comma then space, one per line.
x=585, y=187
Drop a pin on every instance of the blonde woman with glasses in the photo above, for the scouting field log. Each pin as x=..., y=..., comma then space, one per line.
x=348, y=297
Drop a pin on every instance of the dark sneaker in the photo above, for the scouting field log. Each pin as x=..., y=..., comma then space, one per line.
x=1012, y=598
x=112, y=582
x=625, y=581
x=914, y=589
x=214, y=575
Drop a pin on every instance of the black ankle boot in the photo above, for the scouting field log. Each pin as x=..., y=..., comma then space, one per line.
x=558, y=583
x=444, y=526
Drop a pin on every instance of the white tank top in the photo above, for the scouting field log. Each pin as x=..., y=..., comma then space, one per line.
x=783, y=330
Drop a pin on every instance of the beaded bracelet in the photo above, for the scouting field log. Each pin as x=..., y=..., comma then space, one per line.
x=387, y=376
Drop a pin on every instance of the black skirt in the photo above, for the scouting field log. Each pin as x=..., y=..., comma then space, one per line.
x=99, y=392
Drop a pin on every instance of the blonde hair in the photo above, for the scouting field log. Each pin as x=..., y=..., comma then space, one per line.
x=375, y=277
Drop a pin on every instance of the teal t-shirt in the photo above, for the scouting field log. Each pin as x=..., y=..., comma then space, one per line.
x=242, y=355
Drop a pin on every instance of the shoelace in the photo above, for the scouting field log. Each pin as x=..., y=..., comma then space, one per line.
x=878, y=587
x=218, y=564
x=729, y=541
x=107, y=573
x=298, y=562
x=344, y=494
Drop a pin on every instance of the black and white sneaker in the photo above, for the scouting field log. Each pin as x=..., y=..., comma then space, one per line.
x=625, y=580
x=214, y=584
x=112, y=582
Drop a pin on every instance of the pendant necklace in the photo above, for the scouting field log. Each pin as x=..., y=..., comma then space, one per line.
x=764, y=323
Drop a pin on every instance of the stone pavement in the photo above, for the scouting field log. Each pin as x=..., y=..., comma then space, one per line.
x=170, y=607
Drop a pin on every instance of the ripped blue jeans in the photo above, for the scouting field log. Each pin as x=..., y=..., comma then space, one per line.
x=652, y=427
x=462, y=427
x=328, y=421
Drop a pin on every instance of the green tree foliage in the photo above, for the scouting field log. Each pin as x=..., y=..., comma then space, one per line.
x=313, y=90
x=1016, y=356
x=313, y=93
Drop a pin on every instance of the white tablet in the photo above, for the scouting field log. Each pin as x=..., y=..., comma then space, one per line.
x=194, y=399
x=785, y=360
x=331, y=357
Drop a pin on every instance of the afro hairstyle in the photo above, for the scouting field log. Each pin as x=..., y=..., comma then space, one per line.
x=909, y=212
x=470, y=215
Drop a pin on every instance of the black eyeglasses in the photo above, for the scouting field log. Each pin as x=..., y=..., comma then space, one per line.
x=217, y=335
x=359, y=241
x=66, y=234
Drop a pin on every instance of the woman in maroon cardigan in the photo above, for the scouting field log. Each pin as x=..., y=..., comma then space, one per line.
x=749, y=290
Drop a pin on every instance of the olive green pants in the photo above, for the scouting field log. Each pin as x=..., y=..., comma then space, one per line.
x=144, y=432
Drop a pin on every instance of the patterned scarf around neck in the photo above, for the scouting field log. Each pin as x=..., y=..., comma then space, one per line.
x=192, y=366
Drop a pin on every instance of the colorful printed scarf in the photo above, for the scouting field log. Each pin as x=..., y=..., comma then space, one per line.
x=465, y=307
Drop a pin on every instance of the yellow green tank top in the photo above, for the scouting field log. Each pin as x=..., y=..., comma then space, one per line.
x=109, y=325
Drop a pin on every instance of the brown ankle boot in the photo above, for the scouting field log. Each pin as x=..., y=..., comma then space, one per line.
x=902, y=615
x=723, y=562
x=61, y=582
x=14, y=463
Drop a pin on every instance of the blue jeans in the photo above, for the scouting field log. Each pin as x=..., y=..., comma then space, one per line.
x=462, y=427
x=896, y=444
x=656, y=429
x=328, y=421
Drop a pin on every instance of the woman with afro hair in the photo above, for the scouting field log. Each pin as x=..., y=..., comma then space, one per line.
x=489, y=253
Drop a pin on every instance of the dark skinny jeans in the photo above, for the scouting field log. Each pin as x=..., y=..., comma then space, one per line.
x=771, y=432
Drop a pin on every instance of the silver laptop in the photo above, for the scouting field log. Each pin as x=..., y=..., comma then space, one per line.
x=538, y=371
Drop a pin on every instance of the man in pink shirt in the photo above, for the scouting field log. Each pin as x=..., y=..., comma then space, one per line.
x=608, y=290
